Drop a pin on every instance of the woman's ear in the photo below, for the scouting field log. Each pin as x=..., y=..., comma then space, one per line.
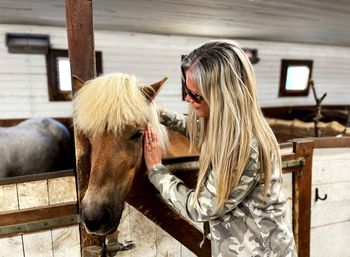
x=151, y=91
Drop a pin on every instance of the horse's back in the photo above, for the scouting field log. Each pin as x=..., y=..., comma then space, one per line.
x=33, y=146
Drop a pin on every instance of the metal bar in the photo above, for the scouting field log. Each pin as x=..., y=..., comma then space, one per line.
x=293, y=163
x=39, y=225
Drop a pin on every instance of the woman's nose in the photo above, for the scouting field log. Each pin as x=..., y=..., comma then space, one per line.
x=188, y=99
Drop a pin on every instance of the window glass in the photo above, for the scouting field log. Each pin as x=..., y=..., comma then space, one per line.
x=297, y=77
x=64, y=77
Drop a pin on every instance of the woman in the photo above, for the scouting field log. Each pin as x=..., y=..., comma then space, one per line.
x=239, y=184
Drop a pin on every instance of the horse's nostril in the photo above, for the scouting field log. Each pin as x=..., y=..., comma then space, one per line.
x=98, y=218
x=106, y=216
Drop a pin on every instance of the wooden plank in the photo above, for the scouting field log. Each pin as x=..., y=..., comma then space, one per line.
x=331, y=154
x=81, y=48
x=38, y=244
x=332, y=240
x=302, y=197
x=8, y=198
x=66, y=242
x=329, y=142
x=62, y=190
x=331, y=177
x=11, y=246
x=40, y=225
x=288, y=157
x=286, y=148
x=335, y=209
x=32, y=194
x=37, y=214
x=331, y=165
x=36, y=177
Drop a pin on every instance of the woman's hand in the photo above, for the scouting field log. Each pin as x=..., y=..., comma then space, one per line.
x=151, y=147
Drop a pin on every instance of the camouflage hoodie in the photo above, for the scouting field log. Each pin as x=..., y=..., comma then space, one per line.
x=249, y=224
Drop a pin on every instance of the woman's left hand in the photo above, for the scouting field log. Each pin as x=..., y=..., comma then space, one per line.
x=151, y=147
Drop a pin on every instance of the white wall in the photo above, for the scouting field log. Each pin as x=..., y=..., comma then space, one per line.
x=23, y=86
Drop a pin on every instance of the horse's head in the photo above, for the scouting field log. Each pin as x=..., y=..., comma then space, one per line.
x=112, y=111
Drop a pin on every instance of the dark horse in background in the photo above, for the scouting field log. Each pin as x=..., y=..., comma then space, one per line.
x=33, y=146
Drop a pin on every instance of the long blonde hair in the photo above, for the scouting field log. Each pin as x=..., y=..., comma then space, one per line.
x=226, y=80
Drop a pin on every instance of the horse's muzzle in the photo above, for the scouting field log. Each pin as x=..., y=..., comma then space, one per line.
x=99, y=219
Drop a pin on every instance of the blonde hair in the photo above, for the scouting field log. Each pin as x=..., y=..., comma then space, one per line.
x=226, y=80
x=111, y=102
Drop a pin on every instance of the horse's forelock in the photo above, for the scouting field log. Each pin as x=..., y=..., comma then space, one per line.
x=110, y=103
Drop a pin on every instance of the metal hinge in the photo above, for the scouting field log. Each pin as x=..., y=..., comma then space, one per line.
x=113, y=246
x=298, y=163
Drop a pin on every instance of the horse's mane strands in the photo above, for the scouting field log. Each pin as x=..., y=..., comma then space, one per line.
x=111, y=102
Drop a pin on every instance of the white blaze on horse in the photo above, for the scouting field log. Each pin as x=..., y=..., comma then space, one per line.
x=112, y=111
x=34, y=146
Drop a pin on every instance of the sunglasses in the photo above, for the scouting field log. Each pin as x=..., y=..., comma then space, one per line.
x=195, y=97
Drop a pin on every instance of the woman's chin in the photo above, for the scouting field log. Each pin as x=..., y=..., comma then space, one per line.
x=200, y=113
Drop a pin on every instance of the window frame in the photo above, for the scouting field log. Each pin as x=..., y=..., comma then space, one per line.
x=285, y=64
x=55, y=94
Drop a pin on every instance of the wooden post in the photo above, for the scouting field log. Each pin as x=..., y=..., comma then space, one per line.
x=81, y=50
x=302, y=182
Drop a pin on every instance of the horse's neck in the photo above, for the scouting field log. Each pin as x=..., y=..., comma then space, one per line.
x=179, y=145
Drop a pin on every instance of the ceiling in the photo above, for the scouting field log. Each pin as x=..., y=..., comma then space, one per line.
x=300, y=21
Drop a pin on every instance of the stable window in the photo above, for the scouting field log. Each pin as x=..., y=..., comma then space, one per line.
x=295, y=77
x=59, y=74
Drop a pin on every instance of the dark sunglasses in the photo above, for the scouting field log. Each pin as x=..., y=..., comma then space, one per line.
x=195, y=97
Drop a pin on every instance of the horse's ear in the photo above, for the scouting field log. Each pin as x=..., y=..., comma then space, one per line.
x=151, y=91
x=77, y=82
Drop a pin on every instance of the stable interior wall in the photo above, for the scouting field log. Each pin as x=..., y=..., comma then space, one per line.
x=24, y=91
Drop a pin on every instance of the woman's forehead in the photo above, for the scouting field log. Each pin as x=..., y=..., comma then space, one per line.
x=190, y=82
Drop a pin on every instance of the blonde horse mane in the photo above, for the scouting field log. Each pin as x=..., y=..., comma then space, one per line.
x=112, y=102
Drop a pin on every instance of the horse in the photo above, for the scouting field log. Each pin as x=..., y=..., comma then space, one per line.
x=112, y=111
x=33, y=146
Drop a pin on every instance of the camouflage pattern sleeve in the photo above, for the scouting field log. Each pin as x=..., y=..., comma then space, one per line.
x=249, y=224
x=180, y=197
x=174, y=121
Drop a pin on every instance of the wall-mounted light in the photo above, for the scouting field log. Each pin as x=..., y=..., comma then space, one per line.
x=27, y=43
x=252, y=55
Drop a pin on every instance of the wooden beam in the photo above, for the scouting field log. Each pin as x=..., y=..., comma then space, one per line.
x=37, y=214
x=332, y=142
x=81, y=49
x=37, y=219
x=36, y=177
x=302, y=181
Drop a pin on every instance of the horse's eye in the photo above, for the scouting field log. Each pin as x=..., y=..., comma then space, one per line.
x=137, y=134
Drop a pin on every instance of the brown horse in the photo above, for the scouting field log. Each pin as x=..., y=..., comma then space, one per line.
x=112, y=111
